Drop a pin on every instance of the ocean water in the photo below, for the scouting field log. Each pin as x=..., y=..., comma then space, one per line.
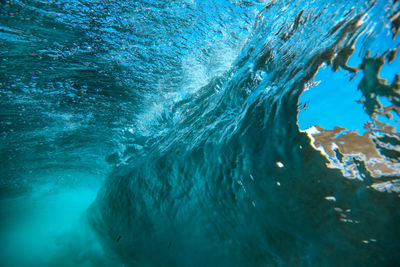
x=199, y=133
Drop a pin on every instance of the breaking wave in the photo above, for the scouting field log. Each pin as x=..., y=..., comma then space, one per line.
x=193, y=110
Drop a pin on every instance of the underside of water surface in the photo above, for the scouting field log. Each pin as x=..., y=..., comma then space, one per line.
x=199, y=133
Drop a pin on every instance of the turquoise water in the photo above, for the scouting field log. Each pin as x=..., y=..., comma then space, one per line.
x=199, y=133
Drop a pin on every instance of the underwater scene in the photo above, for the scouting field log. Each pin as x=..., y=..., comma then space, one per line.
x=199, y=133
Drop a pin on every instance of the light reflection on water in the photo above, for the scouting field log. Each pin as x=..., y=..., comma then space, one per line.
x=193, y=106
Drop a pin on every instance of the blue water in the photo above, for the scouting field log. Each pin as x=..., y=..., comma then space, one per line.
x=183, y=133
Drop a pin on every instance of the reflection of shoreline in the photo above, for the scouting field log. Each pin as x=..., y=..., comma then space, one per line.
x=361, y=156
